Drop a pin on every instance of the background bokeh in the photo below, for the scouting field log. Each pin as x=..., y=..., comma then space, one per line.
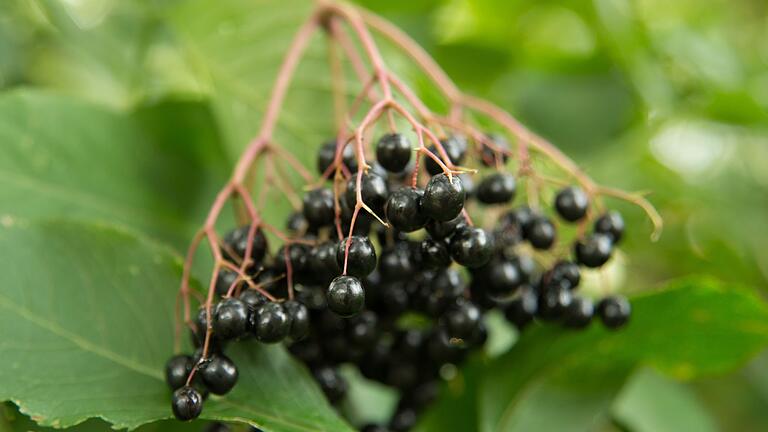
x=669, y=97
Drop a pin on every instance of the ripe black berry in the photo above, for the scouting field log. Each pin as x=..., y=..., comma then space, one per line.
x=346, y=296
x=434, y=254
x=373, y=191
x=461, y=320
x=472, y=247
x=504, y=277
x=553, y=302
x=594, y=251
x=491, y=156
x=187, y=403
x=224, y=280
x=440, y=230
x=523, y=307
x=614, y=311
x=327, y=153
x=271, y=323
x=177, y=370
x=363, y=330
x=393, y=152
x=611, y=224
x=321, y=262
x=252, y=298
x=230, y=320
x=443, y=198
x=541, y=233
x=298, y=314
x=318, y=207
x=296, y=223
x=219, y=374
x=403, y=209
x=456, y=148
x=362, y=256
x=579, y=313
x=237, y=242
x=564, y=270
x=496, y=188
x=397, y=263
x=571, y=203
x=331, y=382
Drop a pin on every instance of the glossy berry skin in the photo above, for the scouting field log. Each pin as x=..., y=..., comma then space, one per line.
x=373, y=190
x=462, y=320
x=393, y=152
x=237, y=241
x=322, y=263
x=271, y=323
x=472, y=247
x=571, y=203
x=327, y=153
x=187, y=403
x=332, y=383
x=498, y=188
x=296, y=223
x=443, y=198
x=541, y=233
x=440, y=230
x=318, y=207
x=362, y=256
x=363, y=330
x=456, y=148
x=299, y=317
x=594, y=251
x=553, y=302
x=579, y=313
x=564, y=270
x=492, y=156
x=504, y=277
x=224, y=281
x=435, y=254
x=252, y=298
x=230, y=320
x=346, y=296
x=523, y=307
x=219, y=374
x=614, y=311
x=177, y=370
x=396, y=263
x=611, y=224
x=403, y=209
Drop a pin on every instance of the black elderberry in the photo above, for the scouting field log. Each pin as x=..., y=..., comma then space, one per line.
x=434, y=253
x=177, y=370
x=296, y=223
x=396, y=263
x=230, y=320
x=298, y=315
x=327, y=153
x=525, y=264
x=571, y=203
x=318, y=207
x=225, y=280
x=322, y=262
x=236, y=241
x=393, y=152
x=444, y=289
x=579, y=313
x=439, y=230
x=392, y=298
x=402, y=375
x=504, y=277
x=564, y=270
x=219, y=374
x=252, y=298
x=491, y=156
x=361, y=259
x=331, y=382
x=594, y=251
x=523, y=307
x=216, y=343
x=271, y=323
x=403, y=209
x=187, y=403
x=472, y=247
x=363, y=330
x=298, y=254
x=611, y=224
x=498, y=188
x=373, y=192
x=443, y=197
x=553, y=302
x=541, y=233
x=456, y=148
x=462, y=320
x=346, y=296
x=442, y=350
x=614, y=311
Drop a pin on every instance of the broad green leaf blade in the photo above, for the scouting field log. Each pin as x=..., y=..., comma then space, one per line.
x=87, y=310
x=692, y=327
x=63, y=157
x=651, y=402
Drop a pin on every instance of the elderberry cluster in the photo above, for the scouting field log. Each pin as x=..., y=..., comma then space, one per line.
x=405, y=302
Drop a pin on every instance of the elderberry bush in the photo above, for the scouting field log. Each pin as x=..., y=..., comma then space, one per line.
x=337, y=292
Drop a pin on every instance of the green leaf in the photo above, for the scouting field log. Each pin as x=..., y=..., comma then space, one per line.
x=156, y=172
x=692, y=327
x=651, y=402
x=90, y=311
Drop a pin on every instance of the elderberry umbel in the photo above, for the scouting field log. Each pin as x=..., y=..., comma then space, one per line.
x=408, y=216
